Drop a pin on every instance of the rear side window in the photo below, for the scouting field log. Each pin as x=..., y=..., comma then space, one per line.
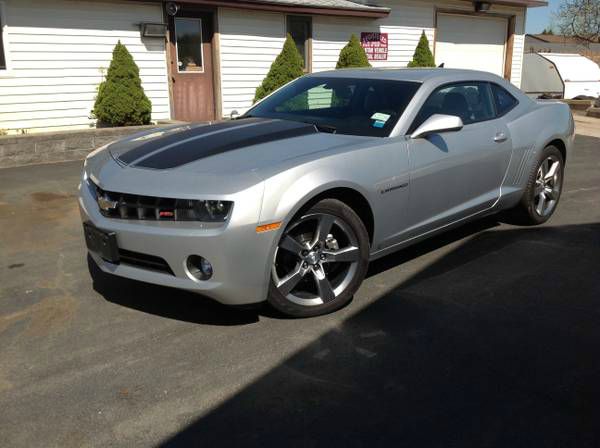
x=471, y=101
x=504, y=100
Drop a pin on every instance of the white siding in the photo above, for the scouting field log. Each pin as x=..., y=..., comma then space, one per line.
x=517, y=62
x=250, y=41
x=58, y=52
x=404, y=25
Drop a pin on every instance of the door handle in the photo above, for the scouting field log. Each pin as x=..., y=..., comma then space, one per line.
x=500, y=137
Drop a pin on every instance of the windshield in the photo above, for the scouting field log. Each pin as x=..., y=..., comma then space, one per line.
x=355, y=106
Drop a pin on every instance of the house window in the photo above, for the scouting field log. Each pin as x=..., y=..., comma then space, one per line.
x=300, y=28
x=188, y=34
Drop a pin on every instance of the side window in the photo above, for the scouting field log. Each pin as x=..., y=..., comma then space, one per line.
x=471, y=101
x=505, y=102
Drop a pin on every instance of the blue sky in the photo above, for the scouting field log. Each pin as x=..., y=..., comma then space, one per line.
x=540, y=18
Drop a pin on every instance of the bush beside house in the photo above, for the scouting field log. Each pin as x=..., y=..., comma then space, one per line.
x=121, y=100
x=353, y=55
x=287, y=66
x=423, y=56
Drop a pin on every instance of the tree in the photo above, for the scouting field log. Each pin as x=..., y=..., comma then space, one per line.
x=579, y=19
x=423, y=56
x=353, y=55
x=121, y=100
x=548, y=32
x=286, y=67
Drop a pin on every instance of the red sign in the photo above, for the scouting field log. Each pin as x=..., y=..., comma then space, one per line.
x=375, y=45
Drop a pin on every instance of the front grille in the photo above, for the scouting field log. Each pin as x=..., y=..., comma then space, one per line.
x=144, y=261
x=151, y=208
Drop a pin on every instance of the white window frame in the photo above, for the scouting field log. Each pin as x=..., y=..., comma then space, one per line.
x=5, y=43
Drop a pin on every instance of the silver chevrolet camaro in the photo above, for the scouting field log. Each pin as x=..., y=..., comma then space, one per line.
x=290, y=202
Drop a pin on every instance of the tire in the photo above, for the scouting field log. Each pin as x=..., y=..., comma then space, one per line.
x=320, y=261
x=528, y=210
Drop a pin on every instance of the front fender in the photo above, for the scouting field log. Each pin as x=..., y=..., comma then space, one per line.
x=287, y=192
x=302, y=191
x=366, y=169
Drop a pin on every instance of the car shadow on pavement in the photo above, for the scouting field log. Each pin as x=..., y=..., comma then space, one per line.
x=429, y=245
x=495, y=344
x=195, y=308
x=166, y=302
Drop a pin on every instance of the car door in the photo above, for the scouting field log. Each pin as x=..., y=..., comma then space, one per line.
x=458, y=173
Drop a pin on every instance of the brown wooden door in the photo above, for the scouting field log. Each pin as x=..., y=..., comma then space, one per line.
x=191, y=68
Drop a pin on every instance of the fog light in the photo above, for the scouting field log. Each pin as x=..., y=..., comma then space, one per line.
x=199, y=267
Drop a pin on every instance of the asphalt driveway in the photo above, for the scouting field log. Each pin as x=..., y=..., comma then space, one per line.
x=488, y=336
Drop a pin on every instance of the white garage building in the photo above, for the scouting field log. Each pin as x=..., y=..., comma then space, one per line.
x=201, y=59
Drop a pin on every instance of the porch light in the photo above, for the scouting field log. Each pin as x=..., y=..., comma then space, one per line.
x=482, y=6
x=153, y=29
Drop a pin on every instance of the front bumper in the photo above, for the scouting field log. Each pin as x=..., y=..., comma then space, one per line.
x=241, y=258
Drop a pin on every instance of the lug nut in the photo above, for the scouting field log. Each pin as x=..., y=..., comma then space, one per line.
x=305, y=265
x=323, y=257
x=304, y=253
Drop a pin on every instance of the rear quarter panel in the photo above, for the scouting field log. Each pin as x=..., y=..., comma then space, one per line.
x=532, y=127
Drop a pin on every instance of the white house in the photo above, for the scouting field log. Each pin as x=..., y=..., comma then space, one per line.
x=201, y=59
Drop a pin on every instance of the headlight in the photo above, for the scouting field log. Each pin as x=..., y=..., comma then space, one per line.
x=198, y=210
x=212, y=211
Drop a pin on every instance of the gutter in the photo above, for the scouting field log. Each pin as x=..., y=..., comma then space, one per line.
x=266, y=5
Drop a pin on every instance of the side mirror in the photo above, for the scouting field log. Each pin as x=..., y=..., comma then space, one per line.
x=234, y=114
x=438, y=123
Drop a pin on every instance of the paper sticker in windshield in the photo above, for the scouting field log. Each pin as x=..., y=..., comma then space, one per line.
x=378, y=124
x=380, y=116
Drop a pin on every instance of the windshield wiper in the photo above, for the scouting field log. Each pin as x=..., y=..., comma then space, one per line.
x=325, y=128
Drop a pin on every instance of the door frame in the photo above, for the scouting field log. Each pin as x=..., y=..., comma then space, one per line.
x=215, y=55
x=309, y=41
x=508, y=40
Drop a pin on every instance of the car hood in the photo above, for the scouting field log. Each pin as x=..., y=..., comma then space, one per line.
x=218, y=158
x=227, y=146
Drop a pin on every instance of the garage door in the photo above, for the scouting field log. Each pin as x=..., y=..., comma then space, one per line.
x=471, y=42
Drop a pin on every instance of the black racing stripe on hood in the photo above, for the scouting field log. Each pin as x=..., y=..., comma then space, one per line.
x=232, y=139
x=152, y=145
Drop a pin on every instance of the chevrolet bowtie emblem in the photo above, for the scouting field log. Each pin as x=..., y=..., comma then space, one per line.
x=106, y=204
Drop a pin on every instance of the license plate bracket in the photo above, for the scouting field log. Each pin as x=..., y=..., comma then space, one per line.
x=101, y=243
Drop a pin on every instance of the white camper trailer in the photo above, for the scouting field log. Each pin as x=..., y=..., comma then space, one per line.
x=560, y=75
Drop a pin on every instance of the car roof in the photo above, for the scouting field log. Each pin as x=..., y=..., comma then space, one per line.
x=411, y=74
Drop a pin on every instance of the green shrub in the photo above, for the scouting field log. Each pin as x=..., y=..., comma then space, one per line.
x=121, y=100
x=286, y=67
x=353, y=55
x=423, y=56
